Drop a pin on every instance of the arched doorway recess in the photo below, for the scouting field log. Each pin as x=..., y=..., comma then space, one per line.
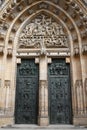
x=71, y=45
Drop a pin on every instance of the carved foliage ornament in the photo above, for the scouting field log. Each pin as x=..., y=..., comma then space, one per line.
x=43, y=32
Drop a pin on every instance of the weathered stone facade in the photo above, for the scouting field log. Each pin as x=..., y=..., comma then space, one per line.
x=43, y=29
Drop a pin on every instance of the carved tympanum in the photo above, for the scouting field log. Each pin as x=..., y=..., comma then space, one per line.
x=43, y=32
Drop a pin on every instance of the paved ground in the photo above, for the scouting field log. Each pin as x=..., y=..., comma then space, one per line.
x=51, y=127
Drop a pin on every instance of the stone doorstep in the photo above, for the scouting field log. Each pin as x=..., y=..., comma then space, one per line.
x=30, y=127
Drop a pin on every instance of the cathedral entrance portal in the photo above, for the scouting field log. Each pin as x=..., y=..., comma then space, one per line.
x=26, y=110
x=43, y=62
x=43, y=38
x=59, y=92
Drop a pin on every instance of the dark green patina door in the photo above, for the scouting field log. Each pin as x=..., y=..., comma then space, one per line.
x=59, y=92
x=26, y=110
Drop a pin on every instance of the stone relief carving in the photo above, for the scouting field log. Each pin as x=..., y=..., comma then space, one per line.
x=1, y=49
x=86, y=88
x=76, y=51
x=9, y=52
x=85, y=2
x=43, y=33
x=79, y=96
x=84, y=49
x=78, y=83
x=43, y=5
x=1, y=2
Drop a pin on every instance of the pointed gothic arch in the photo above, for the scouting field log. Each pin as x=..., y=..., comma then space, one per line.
x=71, y=14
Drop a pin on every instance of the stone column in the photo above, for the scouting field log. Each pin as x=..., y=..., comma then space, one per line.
x=43, y=119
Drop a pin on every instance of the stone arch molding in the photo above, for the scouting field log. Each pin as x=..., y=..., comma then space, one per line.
x=68, y=35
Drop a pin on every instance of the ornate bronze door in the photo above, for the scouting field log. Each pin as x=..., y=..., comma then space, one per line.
x=59, y=92
x=26, y=110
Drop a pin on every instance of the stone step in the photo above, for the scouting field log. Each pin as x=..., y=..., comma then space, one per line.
x=52, y=127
